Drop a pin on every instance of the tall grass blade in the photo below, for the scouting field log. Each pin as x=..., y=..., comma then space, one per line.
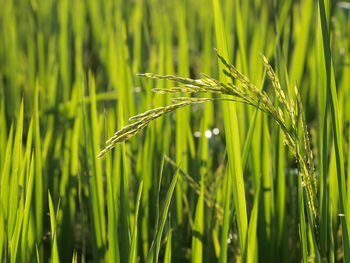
x=97, y=195
x=113, y=239
x=198, y=230
x=252, y=244
x=332, y=101
x=225, y=226
x=54, y=249
x=302, y=224
x=38, y=173
x=133, y=249
x=13, y=194
x=153, y=254
x=232, y=135
x=167, y=256
x=27, y=208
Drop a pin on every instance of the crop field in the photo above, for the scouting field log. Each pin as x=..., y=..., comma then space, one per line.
x=174, y=131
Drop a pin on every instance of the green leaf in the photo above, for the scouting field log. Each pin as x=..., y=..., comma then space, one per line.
x=54, y=248
x=153, y=254
x=133, y=249
x=232, y=135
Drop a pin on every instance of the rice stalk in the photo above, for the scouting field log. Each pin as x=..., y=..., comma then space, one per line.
x=248, y=94
x=144, y=119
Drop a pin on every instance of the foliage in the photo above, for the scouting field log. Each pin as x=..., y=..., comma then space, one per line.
x=253, y=170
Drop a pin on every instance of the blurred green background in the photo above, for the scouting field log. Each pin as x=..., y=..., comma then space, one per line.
x=68, y=82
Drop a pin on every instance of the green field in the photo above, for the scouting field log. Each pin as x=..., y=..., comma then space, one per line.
x=238, y=149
